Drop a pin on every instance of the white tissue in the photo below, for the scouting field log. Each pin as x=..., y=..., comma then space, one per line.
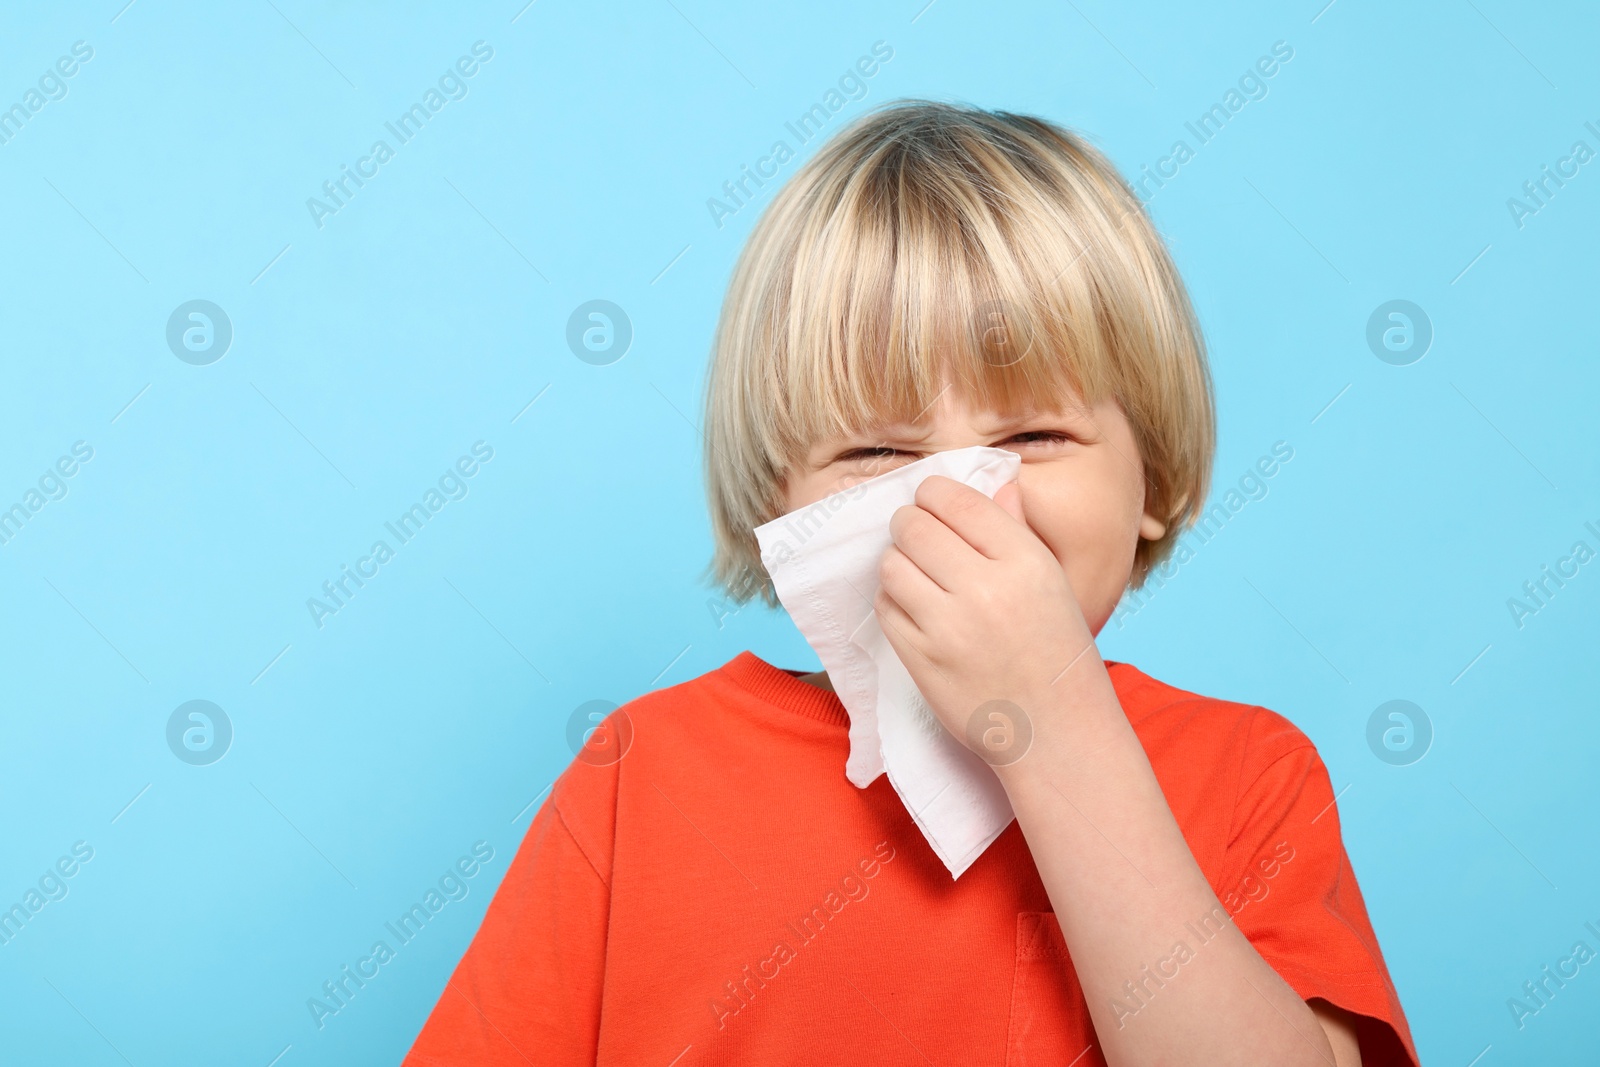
x=823, y=560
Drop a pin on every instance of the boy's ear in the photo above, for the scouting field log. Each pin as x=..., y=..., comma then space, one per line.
x=1152, y=528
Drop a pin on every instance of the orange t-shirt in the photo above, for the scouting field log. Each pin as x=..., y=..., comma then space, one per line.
x=721, y=894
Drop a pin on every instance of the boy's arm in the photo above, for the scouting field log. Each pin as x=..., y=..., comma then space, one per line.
x=1341, y=1030
x=979, y=610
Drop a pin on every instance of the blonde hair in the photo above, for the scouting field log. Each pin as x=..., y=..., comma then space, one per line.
x=928, y=242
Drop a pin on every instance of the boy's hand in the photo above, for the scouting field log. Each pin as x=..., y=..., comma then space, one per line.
x=975, y=605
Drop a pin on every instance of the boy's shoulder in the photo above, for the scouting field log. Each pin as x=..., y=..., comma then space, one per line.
x=628, y=740
x=693, y=737
x=675, y=722
x=1231, y=772
x=1193, y=726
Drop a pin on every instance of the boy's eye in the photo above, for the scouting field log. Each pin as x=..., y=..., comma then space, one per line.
x=1048, y=437
x=869, y=453
x=1040, y=436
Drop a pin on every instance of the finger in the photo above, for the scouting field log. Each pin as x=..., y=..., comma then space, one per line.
x=935, y=548
x=1010, y=498
x=904, y=635
x=980, y=521
x=899, y=628
x=916, y=593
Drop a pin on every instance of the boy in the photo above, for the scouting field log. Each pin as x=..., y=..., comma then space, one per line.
x=704, y=886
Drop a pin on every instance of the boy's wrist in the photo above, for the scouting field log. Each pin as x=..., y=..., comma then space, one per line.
x=1075, y=722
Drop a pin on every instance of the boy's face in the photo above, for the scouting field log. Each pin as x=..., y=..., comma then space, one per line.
x=1082, y=481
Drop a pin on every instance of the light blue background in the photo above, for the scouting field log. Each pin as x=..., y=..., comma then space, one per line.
x=368, y=354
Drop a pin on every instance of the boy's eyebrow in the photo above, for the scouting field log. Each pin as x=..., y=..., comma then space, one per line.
x=900, y=431
x=1010, y=422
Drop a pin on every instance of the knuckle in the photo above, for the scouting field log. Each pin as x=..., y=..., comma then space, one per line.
x=968, y=503
x=887, y=566
x=913, y=529
x=902, y=519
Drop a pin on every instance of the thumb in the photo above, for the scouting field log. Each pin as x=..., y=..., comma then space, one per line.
x=1010, y=498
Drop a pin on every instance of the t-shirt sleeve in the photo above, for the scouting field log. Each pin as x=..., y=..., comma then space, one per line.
x=528, y=989
x=1291, y=890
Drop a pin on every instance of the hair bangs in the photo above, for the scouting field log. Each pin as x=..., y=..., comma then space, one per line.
x=922, y=280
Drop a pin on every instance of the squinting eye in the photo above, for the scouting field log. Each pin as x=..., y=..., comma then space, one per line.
x=879, y=452
x=1044, y=436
